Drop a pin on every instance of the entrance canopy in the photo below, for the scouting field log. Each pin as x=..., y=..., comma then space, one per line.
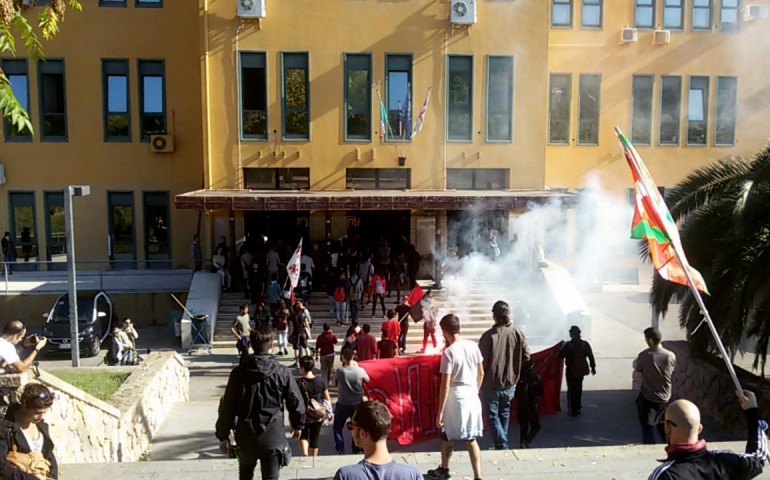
x=329, y=200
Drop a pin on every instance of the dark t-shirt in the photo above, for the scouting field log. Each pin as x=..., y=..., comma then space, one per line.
x=387, y=348
x=315, y=387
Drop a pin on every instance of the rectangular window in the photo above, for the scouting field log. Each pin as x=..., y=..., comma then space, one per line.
x=112, y=3
x=122, y=245
x=117, y=116
x=358, y=96
x=398, y=75
x=591, y=16
x=18, y=78
x=697, y=111
x=149, y=3
x=701, y=14
x=23, y=229
x=56, y=251
x=53, y=105
x=157, y=246
x=477, y=178
x=253, y=95
x=644, y=14
x=670, y=110
x=499, y=99
x=561, y=13
x=560, y=99
x=727, y=104
x=728, y=16
x=673, y=14
x=152, y=98
x=641, y=114
x=296, y=96
x=460, y=98
x=277, y=178
x=588, y=109
x=377, y=178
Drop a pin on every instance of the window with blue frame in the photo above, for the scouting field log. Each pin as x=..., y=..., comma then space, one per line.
x=701, y=15
x=697, y=111
x=670, y=110
x=591, y=16
x=561, y=13
x=149, y=3
x=644, y=14
x=16, y=71
x=588, y=109
x=152, y=98
x=673, y=14
x=729, y=20
x=641, y=109
x=296, y=96
x=726, y=114
x=398, y=96
x=117, y=116
x=499, y=98
x=52, y=100
x=358, y=96
x=254, y=95
x=460, y=98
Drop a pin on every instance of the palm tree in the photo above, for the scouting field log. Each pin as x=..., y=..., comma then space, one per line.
x=724, y=215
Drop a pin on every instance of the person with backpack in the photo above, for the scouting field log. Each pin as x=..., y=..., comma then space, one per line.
x=341, y=299
x=300, y=332
x=354, y=295
x=274, y=294
x=365, y=273
x=318, y=405
x=378, y=288
x=257, y=392
x=528, y=389
x=305, y=285
x=577, y=354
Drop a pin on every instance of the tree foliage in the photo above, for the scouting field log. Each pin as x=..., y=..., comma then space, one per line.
x=14, y=25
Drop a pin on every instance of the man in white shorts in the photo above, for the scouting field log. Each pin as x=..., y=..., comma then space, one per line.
x=459, y=406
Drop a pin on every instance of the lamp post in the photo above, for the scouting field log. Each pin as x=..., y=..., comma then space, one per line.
x=72, y=293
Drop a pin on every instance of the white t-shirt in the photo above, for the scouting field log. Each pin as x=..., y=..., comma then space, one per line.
x=8, y=352
x=460, y=360
x=307, y=261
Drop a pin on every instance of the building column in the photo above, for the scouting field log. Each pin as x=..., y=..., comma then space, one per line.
x=441, y=246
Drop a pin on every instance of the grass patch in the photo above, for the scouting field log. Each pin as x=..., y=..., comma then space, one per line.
x=101, y=385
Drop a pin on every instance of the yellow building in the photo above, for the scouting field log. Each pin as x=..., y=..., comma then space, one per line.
x=117, y=74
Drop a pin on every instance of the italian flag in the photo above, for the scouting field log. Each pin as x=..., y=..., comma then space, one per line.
x=653, y=222
x=383, y=120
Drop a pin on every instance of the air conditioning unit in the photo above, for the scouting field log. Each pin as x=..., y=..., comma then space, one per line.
x=628, y=35
x=162, y=143
x=251, y=8
x=755, y=12
x=463, y=12
x=661, y=37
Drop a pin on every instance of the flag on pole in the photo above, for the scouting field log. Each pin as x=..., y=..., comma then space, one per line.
x=293, y=268
x=406, y=115
x=383, y=117
x=653, y=222
x=415, y=296
x=421, y=116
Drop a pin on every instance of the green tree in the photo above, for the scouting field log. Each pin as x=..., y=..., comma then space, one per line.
x=724, y=215
x=14, y=25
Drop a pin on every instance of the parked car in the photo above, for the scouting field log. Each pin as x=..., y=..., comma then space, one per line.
x=96, y=316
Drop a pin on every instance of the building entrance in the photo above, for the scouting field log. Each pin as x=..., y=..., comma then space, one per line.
x=469, y=230
x=284, y=228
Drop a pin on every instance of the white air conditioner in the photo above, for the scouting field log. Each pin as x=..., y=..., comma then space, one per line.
x=628, y=35
x=463, y=12
x=251, y=8
x=661, y=37
x=162, y=143
x=755, y=12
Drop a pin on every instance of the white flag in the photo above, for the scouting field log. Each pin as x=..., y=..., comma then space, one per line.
x=421, y=116
x=293, y=267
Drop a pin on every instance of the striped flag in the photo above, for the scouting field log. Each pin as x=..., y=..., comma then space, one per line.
x=653, y=222
x=383, y=117
x=421, y=116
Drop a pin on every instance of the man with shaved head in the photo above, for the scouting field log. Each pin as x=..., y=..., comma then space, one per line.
x=688, y=457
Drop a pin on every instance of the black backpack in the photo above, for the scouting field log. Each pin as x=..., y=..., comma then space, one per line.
x=113, y=352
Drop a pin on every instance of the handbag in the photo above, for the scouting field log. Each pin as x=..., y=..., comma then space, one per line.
x=32, y=463
x=315, y=411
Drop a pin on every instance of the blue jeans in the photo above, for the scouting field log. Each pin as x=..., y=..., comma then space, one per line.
x=341, y=415
x=497, y=406
x=354, y=309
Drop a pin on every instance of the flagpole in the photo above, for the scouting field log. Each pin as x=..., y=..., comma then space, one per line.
x=387, y=122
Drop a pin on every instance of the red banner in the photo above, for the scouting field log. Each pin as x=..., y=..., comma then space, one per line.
x=408, y=386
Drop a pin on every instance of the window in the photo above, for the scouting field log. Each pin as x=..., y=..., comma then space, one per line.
x=296, y=96
x=53, y=110
x=56, y=251
x=157, y=246
x=559, y=108
x=670, y=110
x=591, y=16
x=697, y=111
x=277, y=178
x=18, y=78
x=499, y=99
x=727, y=100
x=358, y=96
x=398, y=75
x=117, y=116
x=728, y=16
x=641, y=115
x=122, y=246
x=644, y=14
x=673, y=14
x=588, y=109
x=152, y=98
x=460, y=98
x=701, y=14
x=112, y=3
x=477, y=178
x=149, y=3
x=253, y=95
x=377, y=178
x=23, y=229
x=561, y=13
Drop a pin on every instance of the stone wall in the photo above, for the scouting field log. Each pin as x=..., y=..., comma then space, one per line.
x=705, y=381
x=86, y=429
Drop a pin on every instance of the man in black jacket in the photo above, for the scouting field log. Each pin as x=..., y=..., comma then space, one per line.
x=577, y=355
x=688, y=457
x=256, y=393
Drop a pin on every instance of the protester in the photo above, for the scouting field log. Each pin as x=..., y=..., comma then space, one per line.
x=366, y=273
x=340, y=296
x=324, y=345
x=350, y=380
x=241, y=327
x=529, y=388
x=300, y=332
x=26, y=448
x=315, y=391
x=505, y=351
x=197, y=254
x=255, y=281
x=219, y=265
x=14, y=333
x=577, y=355
x=261, y=315
x=656, y=366
x=225, y=249
x=459, y=407
x=274, y=294
x=391, y=328
x=257, y=392
x=378, y=288
x=282, y=330
x=130, y=331
x=355, y=294
x=366, y=344
x=688, y=457
x=387, y=348
x=246, y=262
x=273, y=260
x=403, y=317
x=305, y=284
x=428, y=323
x=369, y=428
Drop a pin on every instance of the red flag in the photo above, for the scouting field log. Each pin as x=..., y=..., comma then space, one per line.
x=414, y=296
